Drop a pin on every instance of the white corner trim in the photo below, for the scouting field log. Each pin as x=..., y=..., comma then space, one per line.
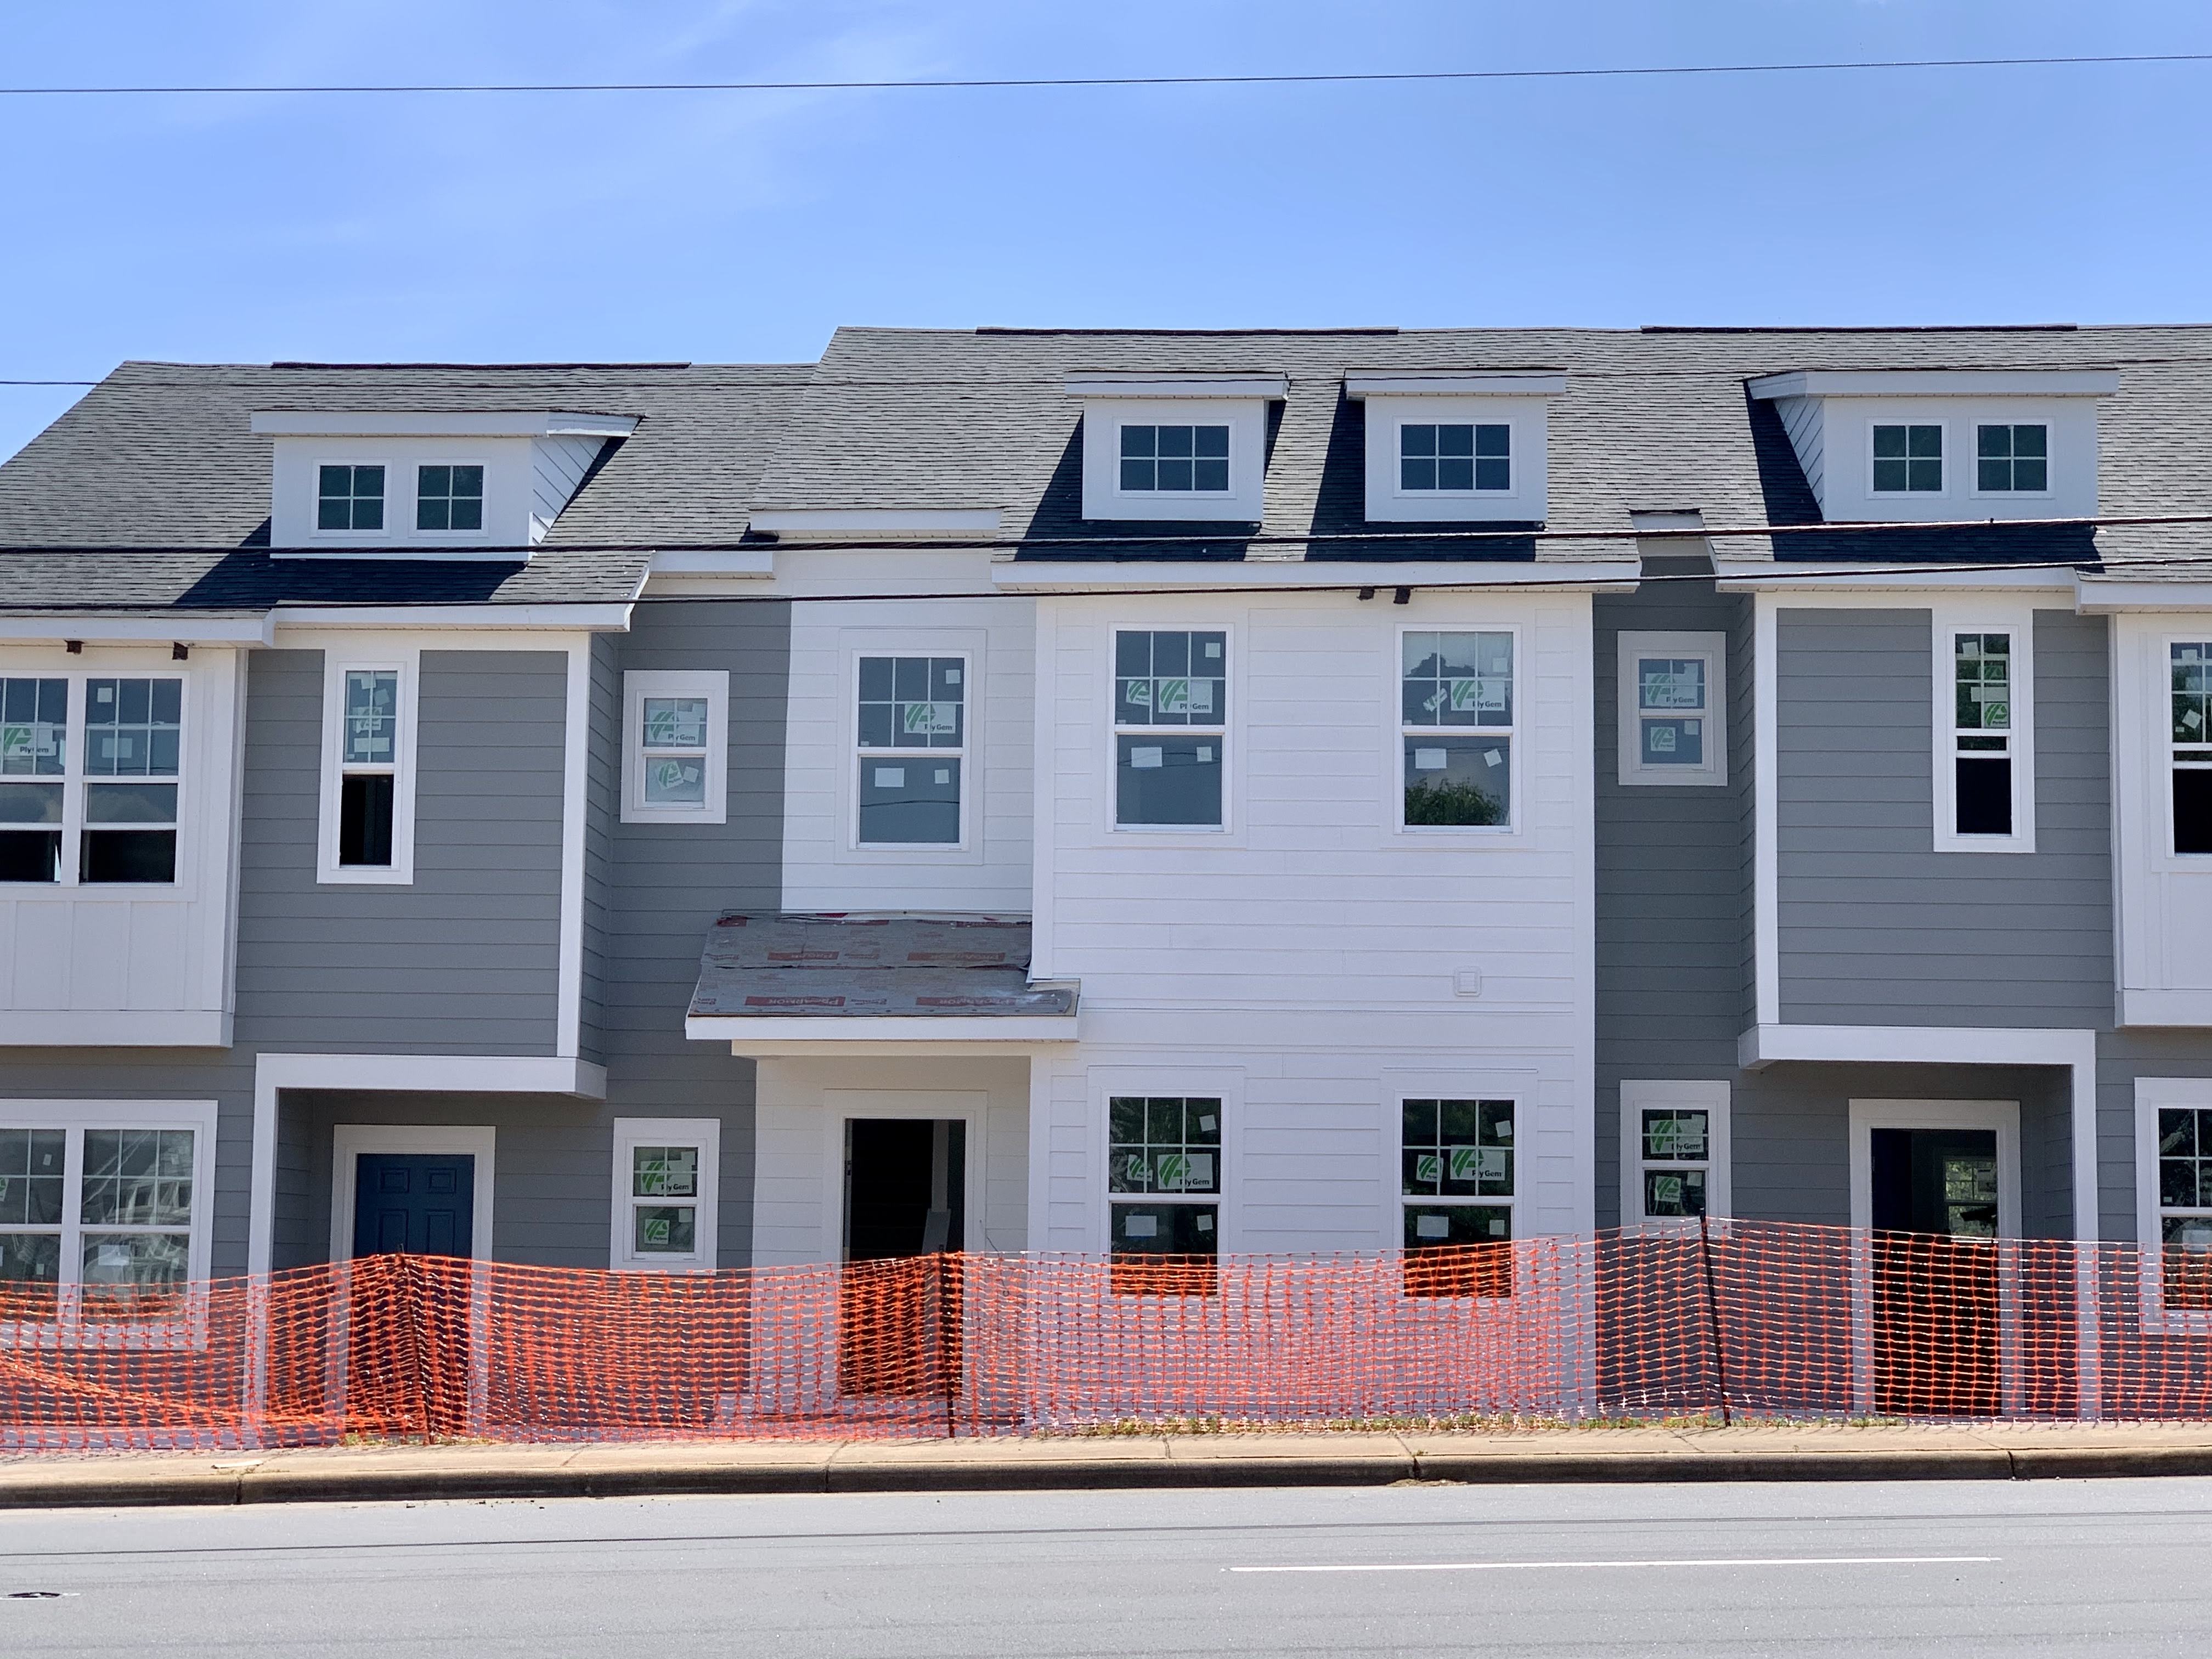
x=1710, y=1095
x=575, y=774
x=712, y=686
x=1766, y=881
x=349, y=1140
x=705, y=1133
x=523, y=1074
x=406, y=661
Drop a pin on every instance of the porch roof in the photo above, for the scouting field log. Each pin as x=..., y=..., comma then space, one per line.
x=833, y=968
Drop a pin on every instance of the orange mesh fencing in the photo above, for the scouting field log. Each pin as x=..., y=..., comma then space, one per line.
x=1741, y=1320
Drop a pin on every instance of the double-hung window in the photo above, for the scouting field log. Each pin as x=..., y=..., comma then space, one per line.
x=913, y=744
x=367, y=830
x=666, y=1176
x=1163, y=1187
x=102, y=1211
x=1673, y=723
x=88, y=778
x=2012, y=460
x=1174, y=459
x=1982, y=736
x=449, y=497
x=1457, y=1179
x=675, y=746
x=2190, y=665
x=2185, y=1204
x=1908, y=460
x=1171, y=727
x=1454, y=458
x=1675, y=1150
x=349, y=498
x=1457, y=714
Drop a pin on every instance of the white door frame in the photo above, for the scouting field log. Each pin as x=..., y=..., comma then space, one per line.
x=349, y=1140
x=967, y=1106
x=2003, y=1117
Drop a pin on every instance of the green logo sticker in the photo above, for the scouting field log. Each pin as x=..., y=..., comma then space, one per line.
x=1427, y=1168
x=929, y=719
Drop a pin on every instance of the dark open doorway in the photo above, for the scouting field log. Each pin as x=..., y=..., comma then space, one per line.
x=905, y=1197
x=1936, y=1318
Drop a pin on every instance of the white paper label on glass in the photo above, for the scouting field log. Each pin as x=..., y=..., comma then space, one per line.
x=1492, y=757
x=1141, y=1226
x=1206, y=753
x=890, y=777
x=1200, y=698
x=1432, y=1226
x=1198, y=1176
x=1204, y=1224
x=1144, y=757
x=943, y=774
x=1428, y=760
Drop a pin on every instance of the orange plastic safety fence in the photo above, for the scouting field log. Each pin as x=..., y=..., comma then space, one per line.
x=1741, y=1319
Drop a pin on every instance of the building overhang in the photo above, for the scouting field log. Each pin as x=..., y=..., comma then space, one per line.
x=1454, y=383
x=450, y=423
x=1937, y=383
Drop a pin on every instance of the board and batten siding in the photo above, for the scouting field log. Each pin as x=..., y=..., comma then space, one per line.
x=1313, y=964
x=823, y=869
x=1875, y=926
x=464, y=958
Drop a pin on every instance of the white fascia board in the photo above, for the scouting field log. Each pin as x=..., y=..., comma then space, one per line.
x=589, y=618
x=749, y=563
x=2104, y=596
x=1781, y=578
x=1455, y=383
x=1216, y=387
x=115, y=1028
x=1938, y=383
x=876, y=521
x=749, y=1035
x=1933, y=1045
x=1047, y=576
x=458, y=424
x=179, y=628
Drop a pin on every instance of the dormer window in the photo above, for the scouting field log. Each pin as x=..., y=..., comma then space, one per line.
x=1908, y=458
x=2012, y=460
x=449, y=498
x=1453, y=458
x=1175, y=458
x=349, y=498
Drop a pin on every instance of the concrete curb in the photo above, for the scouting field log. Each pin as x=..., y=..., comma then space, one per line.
x=95, y=1487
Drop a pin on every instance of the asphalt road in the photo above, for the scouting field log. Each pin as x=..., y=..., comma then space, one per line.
x=2078, y=1568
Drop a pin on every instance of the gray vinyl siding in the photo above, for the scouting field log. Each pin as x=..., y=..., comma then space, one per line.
x=602, y=812
x=465, y=959
x=1673, y=915
x=1876, y=927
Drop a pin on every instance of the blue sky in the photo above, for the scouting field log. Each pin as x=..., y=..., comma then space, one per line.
x=718, y=227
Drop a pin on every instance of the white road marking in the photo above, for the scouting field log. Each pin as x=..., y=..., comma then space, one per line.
x=1703, y=1561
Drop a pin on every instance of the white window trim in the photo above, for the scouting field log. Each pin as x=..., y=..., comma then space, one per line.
x=406, y=661
x=76, y=1116
x=1711, y=1097
x=849, y=793
x=356, y=538
x=2151, y=1094
x=1399, y=419
x=75, y=780
x=712, y=685
x=1195, y=1083
x=2017, y=621
x=349, y=1140
x=705, y=1133
x=1519, y=1095
x=1974, y=490
x=1950, y=457
x=1232, y=741
x=1712, y=650
x=413, y=471
x=1194, y=421
x=1396, y=731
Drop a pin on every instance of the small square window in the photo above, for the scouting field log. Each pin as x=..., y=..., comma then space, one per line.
x=675, y=746
x=349, y=498
x=1908, y=460
x=2012, y=459
x=449, y=498
x=1181, y=458
x=1449, y=457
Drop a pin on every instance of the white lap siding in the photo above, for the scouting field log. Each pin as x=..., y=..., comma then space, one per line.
x=1311, y=963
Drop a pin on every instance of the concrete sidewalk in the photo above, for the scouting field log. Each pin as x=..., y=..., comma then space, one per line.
x=1756, y=1452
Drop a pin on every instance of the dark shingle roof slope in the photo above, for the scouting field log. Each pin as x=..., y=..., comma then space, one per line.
x=154, y=489
x=1652, y=420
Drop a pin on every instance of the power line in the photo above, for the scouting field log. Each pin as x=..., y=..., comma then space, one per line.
x=1041, y=82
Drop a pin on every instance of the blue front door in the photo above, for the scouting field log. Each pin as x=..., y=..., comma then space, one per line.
x=419, y=1201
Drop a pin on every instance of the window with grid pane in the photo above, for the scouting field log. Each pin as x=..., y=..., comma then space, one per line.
x=1170, y=727
x=1163, y=1186
x=1456, y=724
x=449, y=497
x=1982, y=737
x=1449, y=456
x=2012, y=458
x=1174, y=459
x=2190, y=670
x=1457, y=1183
x=33, y=765
x=913, y=742
x=349, y=498
x=95, y=1222
x=368, y=767
x=2185, y=1204
x=1908, y=458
